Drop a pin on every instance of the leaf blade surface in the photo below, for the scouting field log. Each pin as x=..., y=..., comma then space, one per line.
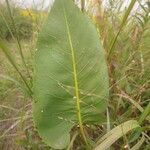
x=71, y=80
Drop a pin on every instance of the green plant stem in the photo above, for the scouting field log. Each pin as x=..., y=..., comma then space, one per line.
x=82, y=5
x=10, y=58
x=17, y=38
x=121, y=27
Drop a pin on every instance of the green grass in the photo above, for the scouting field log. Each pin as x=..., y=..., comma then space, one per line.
x=126, y=43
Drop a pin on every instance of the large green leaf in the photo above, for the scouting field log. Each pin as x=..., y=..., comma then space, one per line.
x=71, y=79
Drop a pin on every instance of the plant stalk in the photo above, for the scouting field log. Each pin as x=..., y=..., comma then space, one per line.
x=17, y=38
x=126, y=15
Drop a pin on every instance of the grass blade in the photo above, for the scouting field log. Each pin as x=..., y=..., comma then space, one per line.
x=108, y=120
x=108, y=139
x=145, y=114
x=14, y=64
x=5, y=77
x=1, y=14
x=137, y=105
x=17, y=38
x=139, y=144
x=121, y=26
x=72, y=141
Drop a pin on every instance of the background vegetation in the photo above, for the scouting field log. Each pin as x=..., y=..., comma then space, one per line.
x=125, y=35
x=24, y=24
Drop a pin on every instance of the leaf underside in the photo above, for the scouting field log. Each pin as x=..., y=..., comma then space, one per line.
x=71, y=79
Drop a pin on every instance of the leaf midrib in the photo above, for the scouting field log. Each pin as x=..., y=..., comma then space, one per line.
x=75, y=77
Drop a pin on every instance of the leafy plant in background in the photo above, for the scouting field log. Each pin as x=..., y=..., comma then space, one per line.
x=24, y=24
x=71, y=79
